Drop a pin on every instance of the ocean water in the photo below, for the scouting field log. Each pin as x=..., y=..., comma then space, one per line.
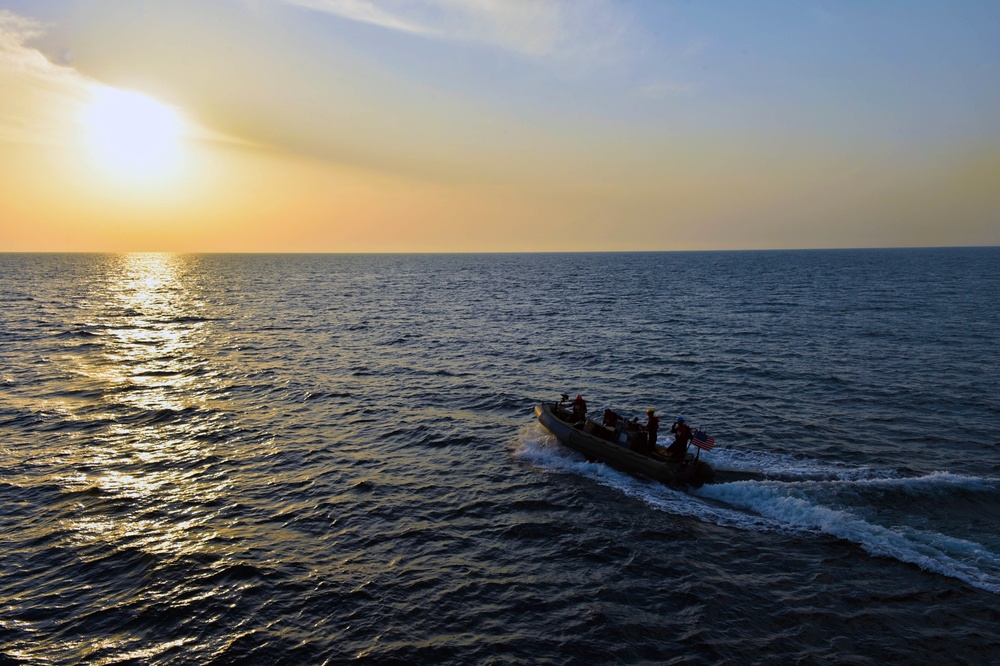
x=333, y=459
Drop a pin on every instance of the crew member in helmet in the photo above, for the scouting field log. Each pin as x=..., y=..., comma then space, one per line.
x=652, y=427
x=682, y=435
x=579, y=409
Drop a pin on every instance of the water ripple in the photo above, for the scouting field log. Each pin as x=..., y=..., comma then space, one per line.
x=321, y=459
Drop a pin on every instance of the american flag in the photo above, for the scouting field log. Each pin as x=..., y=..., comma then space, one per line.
x=703, y=440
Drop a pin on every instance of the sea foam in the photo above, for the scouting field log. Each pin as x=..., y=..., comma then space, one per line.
x=795, y=495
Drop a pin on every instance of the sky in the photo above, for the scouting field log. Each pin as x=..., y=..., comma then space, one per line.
x=497, y=125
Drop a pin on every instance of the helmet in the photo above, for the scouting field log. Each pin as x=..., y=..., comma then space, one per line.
x=650, y=411
x=579, y=395
x=680, y=419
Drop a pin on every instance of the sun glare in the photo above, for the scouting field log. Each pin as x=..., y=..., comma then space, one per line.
x=133, y=136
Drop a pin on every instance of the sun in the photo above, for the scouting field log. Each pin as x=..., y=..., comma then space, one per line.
x=132, y=136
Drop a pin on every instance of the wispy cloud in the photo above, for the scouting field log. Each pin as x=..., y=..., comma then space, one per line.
x=37, y=93
x=528, y=27
x=363, y=11
x=43, y=102
x=14, y=29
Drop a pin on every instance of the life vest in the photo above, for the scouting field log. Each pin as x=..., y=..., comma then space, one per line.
x=682, y=433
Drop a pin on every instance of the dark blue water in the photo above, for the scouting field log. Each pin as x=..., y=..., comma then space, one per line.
x=330, y=459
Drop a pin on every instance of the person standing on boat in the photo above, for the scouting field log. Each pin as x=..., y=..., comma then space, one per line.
x=652, y=427
x=682, y=435
x=579, y=408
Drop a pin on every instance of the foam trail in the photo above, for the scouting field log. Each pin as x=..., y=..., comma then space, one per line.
x=957, y=558
x=778, y=465
x=540, y=448
x=792, y=505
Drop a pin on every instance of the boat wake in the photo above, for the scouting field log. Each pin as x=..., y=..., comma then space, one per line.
x=939, y=521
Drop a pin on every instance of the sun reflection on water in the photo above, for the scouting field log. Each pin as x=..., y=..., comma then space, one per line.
x=152, y=333
x=155, y=382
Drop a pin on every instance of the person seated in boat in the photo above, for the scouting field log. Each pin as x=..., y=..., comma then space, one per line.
x=579, y=409
x=610, y=418
x=682, y=435
x=652, y=427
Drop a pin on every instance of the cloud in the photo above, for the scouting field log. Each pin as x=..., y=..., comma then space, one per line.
x=364, y=11
x=14, y=29
x=43, y=102
x=40, y=98
x=560, y=28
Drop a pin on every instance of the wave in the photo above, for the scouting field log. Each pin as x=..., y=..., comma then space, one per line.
x=82, y=332
x=811, y=506
x=767, y=465
x=803, y=496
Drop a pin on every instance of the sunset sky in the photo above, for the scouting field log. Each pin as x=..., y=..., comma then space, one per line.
x=497, y=125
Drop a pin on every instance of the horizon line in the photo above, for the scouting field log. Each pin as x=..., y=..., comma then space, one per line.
x=501, y=252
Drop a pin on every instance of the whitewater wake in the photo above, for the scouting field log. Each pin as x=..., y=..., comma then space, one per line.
x=803, y=496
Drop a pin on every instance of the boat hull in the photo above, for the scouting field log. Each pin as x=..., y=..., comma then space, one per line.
x=594, y=441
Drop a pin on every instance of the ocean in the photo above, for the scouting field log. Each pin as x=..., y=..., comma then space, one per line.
x=327, y=459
